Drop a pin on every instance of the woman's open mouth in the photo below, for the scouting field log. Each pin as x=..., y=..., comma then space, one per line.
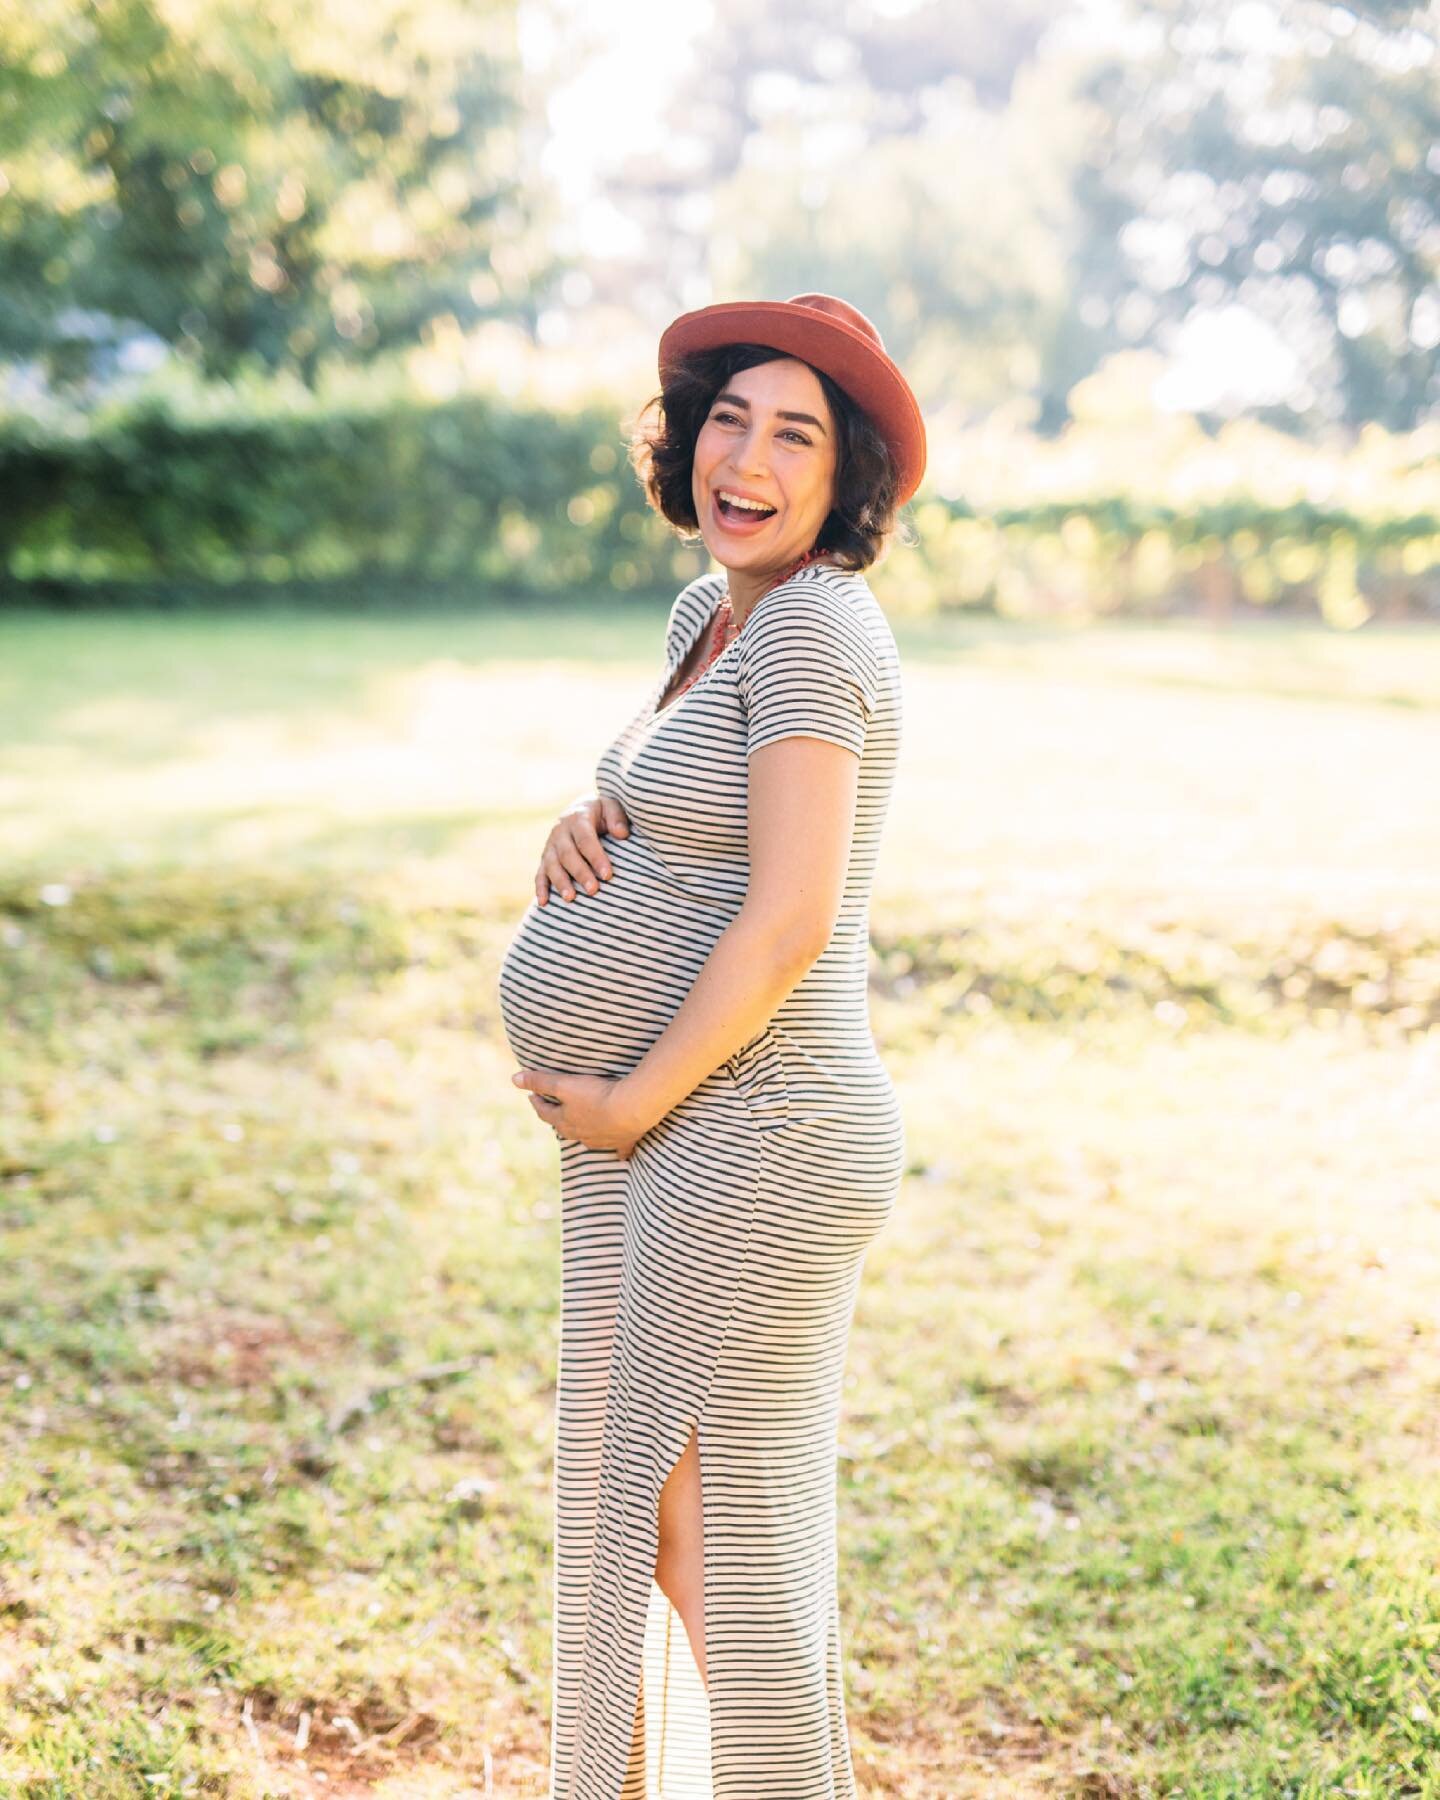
x=741, y=520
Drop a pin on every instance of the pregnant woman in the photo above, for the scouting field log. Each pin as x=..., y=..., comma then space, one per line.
x=686, y=998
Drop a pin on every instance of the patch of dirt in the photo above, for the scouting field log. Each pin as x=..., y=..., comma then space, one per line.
x=989, y=1750
x=241, y=1350
x=343, y=1749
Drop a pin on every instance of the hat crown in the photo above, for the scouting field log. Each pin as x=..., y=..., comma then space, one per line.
x=839, y=309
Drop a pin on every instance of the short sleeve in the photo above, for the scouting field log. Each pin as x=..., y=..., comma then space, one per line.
x=806, y=669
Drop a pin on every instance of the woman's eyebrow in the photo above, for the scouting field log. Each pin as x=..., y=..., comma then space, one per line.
x=805, y=418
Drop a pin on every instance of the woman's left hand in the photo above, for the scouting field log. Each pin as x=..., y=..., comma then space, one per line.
x=590, y=1108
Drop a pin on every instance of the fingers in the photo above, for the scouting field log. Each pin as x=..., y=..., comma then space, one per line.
x=576, y=859
x=553, y=874
x=546, y=1112
x=575, y=869
x=612, y=816
x=590, y=856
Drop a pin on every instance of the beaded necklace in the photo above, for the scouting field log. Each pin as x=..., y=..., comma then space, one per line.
x=723, y=629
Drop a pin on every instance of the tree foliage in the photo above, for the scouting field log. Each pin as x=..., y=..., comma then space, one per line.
x=1288, y=159
x=1017, y=194
x=257, y=184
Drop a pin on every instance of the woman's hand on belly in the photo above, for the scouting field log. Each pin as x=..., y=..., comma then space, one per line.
x=590, y=1108
x=573, y=853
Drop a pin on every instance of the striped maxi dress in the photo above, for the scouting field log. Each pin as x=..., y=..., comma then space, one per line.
x=710, y=1278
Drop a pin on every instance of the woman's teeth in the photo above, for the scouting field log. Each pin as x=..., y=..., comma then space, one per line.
x=743, y=509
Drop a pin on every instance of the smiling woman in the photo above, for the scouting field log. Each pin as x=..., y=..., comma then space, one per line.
x=830, y=458
x=730, y=1142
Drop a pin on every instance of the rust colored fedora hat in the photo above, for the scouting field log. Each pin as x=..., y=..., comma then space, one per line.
x=829, y=334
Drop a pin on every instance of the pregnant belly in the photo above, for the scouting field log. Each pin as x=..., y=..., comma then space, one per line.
x=588, y=984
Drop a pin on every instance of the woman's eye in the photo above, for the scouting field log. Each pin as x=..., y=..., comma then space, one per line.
x=726, y=418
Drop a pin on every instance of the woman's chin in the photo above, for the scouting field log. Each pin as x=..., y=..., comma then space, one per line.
x=735, y=554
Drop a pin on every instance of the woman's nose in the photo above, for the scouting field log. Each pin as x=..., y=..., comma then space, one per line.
x=750, y=459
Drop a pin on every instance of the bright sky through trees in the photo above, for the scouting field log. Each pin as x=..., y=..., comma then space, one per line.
x=609, y=72
x=602, y=78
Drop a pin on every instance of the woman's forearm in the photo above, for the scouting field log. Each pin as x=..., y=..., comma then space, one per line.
x=745, y=977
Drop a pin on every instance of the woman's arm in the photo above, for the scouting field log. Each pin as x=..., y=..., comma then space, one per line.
x=800, y=818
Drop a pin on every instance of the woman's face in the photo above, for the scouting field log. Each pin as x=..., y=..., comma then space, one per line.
x=768, y=436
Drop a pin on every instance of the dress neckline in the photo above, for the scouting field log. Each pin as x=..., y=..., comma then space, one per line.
x=657, y=710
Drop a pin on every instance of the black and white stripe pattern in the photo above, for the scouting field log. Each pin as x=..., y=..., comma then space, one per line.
x=710, y=1279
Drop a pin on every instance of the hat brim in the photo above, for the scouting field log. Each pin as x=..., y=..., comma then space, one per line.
x=850, y=358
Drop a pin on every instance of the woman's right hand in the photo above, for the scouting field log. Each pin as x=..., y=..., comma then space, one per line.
x=573, y=851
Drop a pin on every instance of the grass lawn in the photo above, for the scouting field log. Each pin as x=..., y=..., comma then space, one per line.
x=1142, y=1424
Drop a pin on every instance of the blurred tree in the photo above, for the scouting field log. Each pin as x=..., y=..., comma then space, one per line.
x=261, y=184
x=764, y=58
x=950, y=239
x=1019, y=193
x=1285, y=157
x=884, y=156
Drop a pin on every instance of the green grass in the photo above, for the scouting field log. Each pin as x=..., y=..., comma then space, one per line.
x=1139, y=1455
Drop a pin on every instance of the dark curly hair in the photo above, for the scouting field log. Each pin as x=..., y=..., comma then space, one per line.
x=857, y=528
